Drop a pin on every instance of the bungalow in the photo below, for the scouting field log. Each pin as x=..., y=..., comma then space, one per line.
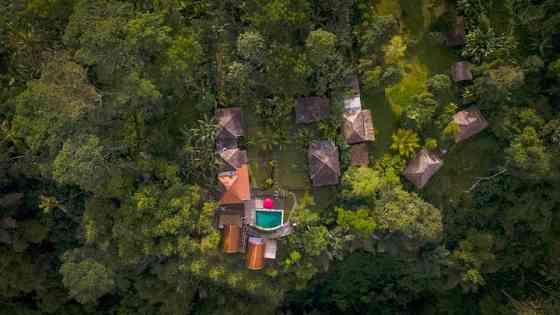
x=230, y=127
x=358, y=126
x=359, y=154
x=422, y=168
x=311, y=109
x=461, y=72
x=456, y=37
x=323, y=163
x=470, y=123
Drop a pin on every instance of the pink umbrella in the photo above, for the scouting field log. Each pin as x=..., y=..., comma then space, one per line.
x=268, y=203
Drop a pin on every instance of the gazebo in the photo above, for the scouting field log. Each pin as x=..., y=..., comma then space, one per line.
x=311, y=109
x=461, y=71
x=233, y=158
x=422, y=168
x=324, y=165
x=230, y=127
x=236, y=186
x=470, y=123
x=358, y=126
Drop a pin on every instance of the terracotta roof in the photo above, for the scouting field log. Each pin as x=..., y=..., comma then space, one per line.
x=230, y=125
x=359, y=154
x=236, y=185
x=311, y=109
x=456, y=37
x=233, y=157
x=232, y=238
x=422, y=168
x=255, y=253
x=323, y=163
x=358, y=126
x=470, y=122
x=461, y=71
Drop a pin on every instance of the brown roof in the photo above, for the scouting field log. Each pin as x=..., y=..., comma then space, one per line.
x=323, y=163
x=232, y=238
x=311, y=109
x=358, y=126
x=470, y=122
x=422, y=168
x=233, y=157
x=359, y=154
x=461, y=71
x=236, y=185
x=255, y=253
x=456, y=37
x=230, y=124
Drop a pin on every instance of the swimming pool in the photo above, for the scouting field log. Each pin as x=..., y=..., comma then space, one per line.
x=269, y=219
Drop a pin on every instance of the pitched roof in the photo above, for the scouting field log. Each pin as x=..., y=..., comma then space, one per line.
x=422, y=168
x=461, y=71
x=358, y=126
x=470, y=122
x=233, y=157
x=323, y=163
x=311, y=109
x=456, y=37
x=230, y=123
x=236, y=185
x=359, y=154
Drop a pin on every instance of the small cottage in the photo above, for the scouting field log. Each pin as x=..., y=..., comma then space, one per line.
x=456, y=37
x=358, y=127
x=311, y=109
x=470, y=122
x=230, y=127
x=461, y=72
x=422, y=168
x=324, y=163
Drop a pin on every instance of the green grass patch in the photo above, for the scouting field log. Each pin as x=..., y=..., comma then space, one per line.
x=476, y=157
x=384, y=121
x=413, y=83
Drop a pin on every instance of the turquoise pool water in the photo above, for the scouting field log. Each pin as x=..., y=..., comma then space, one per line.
x=268, y=219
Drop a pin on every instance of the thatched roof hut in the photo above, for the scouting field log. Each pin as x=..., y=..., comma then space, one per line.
x=456, y=37
x=311, y=109
x=422, y=168
x=236, y=186
x=323, y=163
x=461, y=71
x=358, y=126
x=230, y=126
x=470, y=123
x=233, y=158
x=359, y=154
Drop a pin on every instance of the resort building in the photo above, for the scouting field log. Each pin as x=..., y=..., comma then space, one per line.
x=422, y=168
x=359, y=154
x=461, y=72
x=358, y=126
x=232, y=158
x=235, y=185
x=230, y=127
x=470, y=122
x=324, y=163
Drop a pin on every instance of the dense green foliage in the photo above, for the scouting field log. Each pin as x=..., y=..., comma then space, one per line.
x=107, y=162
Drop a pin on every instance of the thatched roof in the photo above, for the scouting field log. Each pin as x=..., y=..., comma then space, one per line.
x=422, y=168
x=470, y=122
x=236, y=186
x=230, y=126
x=358, y=126
x=311, y=109
x=323, y=163
x=359, y=154
x=456, y=37
x=461, y=71
x=234, y=158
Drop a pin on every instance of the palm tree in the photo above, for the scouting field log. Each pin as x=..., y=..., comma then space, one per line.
x=405, y=142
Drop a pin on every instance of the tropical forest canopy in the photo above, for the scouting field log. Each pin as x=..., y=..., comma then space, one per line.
x=108, y=169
